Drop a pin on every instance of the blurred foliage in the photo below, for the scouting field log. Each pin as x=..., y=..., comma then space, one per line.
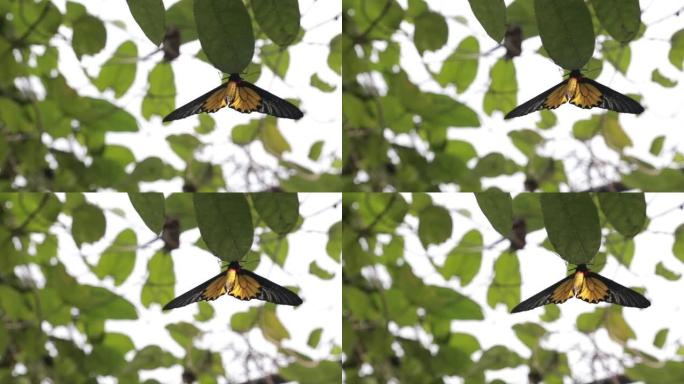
x=56, y=328
x=409, y=90
x=61, y=137
x=399, y=327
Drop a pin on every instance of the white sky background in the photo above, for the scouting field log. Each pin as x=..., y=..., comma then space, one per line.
x=541, y=268
x=322, y=306
x=193, y=77
x=536, y=74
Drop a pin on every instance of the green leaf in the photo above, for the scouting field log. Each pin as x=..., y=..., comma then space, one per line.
x=97, y=303
x=271, y=326
x=89, y=36
x=334, y=245
x=335, y=55
x=158, y=100
x=435, y=225
x=278, y=19
x=449, y=304
x=566, y=31
x=243, y=134
x=321, y=85
x=492, y=15
x=678, y=246
x=617, y=327
x=572, y=224
x=160, y=280
x=182, y=16
x=225, y=223
x=184, y=145
x=657, y=145
x=244, y=321
x=501, y=95
x=150, y=207
x=381, y=213
x=118, y=72
x=659, y=78
x=526, y=140
x=662, y=270
x=506, y=285
x=529, y=333
x=613, y=133
x=618, y=55
x=274, y=141
x=315, y=150
x=660, y=337
x=460, y=68
x=314, y=337
x=676, y=54
x=276, y=58
x=89, y=224
x=431, y=31
x=149, y=15
x=498, y=208
x=118, y=259
x=280, y=211
x=620, y=18
x=152, y=357
x=625, y=212
x=321, y=273
x=184, y=334
x=464, y=259
x=230, y=55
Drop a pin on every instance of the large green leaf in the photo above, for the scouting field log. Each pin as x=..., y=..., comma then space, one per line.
x=150, y=207
x=279, y=19
x=492, y=15
x=150, y=15
x=280, y=211
x=89, y=224
x=225, y=223
x=625, y=212
x=572, y=224
x=228, y=45
x=620, y=18
x=566, y=31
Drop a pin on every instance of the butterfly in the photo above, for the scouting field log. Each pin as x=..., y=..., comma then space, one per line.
x=588, y=286
x=239, y=283
x=582, y=92
x=240, y=95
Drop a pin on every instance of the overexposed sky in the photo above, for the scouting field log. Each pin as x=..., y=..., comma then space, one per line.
x=322, y=306
x=536, y=74
x=193, y=77
x=541, y=268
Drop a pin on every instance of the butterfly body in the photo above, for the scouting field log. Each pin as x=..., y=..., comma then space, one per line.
x=239, y=283
x=580, y=91
x=588, y=286
x=241, y=96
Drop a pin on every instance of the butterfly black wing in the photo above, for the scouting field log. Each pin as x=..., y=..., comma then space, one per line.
x=621, y=295
x=199, y=293
x=538, y=102
x=548, y=295
x=270, y=291
x=272, y=104
x=613, y=100
x=198, y=105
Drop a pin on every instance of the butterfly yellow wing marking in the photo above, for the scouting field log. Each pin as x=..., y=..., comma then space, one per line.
x=563, y=292
x=243, y=99
x=215, y=101
x=242, y=286
x=216, y=289
x=593, y=290
x=586, y=96
x=557, y=97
